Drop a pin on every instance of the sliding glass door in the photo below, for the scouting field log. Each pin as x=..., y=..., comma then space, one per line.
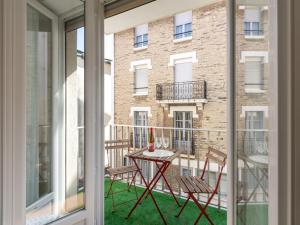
x=252, y=110
x=55, y=146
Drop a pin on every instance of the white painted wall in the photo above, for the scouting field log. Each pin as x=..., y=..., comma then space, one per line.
x=144, y=14
x=1, y=105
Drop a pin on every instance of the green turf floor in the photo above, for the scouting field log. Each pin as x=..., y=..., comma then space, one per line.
x=146, y=213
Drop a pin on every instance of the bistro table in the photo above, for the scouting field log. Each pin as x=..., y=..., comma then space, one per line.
x=162, y=159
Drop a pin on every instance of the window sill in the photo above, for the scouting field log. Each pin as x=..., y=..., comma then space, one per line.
x=182, y=39
x=254, y=91
x=141, y=94
x=140, y=48
x=254, y=37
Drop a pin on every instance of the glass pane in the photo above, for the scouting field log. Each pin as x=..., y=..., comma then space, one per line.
x=39, y=119
x=39, y=114
x=54, y=119
x=251, y=113
x=74, y=189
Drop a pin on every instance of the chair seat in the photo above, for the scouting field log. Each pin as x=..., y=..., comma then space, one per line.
x=121, y=170
x=190, y=184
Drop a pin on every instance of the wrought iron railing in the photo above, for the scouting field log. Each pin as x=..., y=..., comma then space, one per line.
x=191, y=159
x=181, y=90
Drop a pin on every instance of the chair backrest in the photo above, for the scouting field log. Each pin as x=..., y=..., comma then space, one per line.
x=116, y=150
x=117, y=144
x=218, y=157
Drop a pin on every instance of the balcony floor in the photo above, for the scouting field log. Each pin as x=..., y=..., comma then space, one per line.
x=146, y=214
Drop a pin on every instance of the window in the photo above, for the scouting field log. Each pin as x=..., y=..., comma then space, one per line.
x=140, y=130
x=253, y=73
x=39, y=116
x=254, y=142
x=183, y=79
x=252, y=24
x=183, y=136
x=141, y=36
x=55, y=117
x=186, y=172
x=141, y=80
x=183, y=25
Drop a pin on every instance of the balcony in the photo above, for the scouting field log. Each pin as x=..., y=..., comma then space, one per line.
x=147, y=214
x=182, y=92
x=250, y=196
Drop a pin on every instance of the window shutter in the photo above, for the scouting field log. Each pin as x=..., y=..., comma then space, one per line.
x=253, y=74
x=141, y=80
x=141, y=30
x=183, y=18
x=183, y=72
x=252, y=15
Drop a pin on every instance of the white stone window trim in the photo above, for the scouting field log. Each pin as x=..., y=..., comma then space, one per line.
x=145, y=63
x=136, y=49
x=262, y=8
x=183, y=58
x=255, y=37
x=140, y=109
x=254, y=54
x=254, y=91
x=264, y=109
x=141, y=94
x=183, y=109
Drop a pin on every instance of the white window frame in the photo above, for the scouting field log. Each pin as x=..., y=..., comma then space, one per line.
x=193, y=109
x=144, y=62
x=264, y=109
x=183, y=58
x=13, y=134
x=14, y=76
x=140, y=64
x=138, y=108
x=262, y=9
x=257, y=89
x=190, y=37
x=256, y=54
x=249, y=55
x=140, y=93
x=144, y=46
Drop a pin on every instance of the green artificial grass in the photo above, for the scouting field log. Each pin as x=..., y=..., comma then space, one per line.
x=254, y=214
x=147, y=214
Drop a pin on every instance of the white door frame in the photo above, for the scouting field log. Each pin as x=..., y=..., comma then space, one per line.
x=13, y=130
x=13, y=114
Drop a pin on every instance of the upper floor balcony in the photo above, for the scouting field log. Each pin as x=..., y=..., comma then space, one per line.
x=182, y=92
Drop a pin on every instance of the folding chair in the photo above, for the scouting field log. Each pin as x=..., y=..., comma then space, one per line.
x=197, y=185
x=116, y=170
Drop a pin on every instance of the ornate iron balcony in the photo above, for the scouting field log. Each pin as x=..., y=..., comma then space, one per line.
x=181, y=91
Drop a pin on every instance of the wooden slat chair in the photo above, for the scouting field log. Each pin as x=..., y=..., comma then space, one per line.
x=116, y=171
x=192, y=185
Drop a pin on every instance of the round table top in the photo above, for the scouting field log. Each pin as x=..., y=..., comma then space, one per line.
x=263, y=159
x=158, y=153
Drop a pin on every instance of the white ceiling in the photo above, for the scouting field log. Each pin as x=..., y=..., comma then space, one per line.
x=61, y=6
x=151, y=12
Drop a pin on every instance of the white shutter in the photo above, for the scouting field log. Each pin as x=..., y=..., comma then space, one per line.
x=183, y=72
x=141, y=30
x=141, y=80
x=183, y=18
x=253, y=74
x=252, y=15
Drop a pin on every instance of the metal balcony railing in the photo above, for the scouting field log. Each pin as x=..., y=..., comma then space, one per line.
x=181, y=90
